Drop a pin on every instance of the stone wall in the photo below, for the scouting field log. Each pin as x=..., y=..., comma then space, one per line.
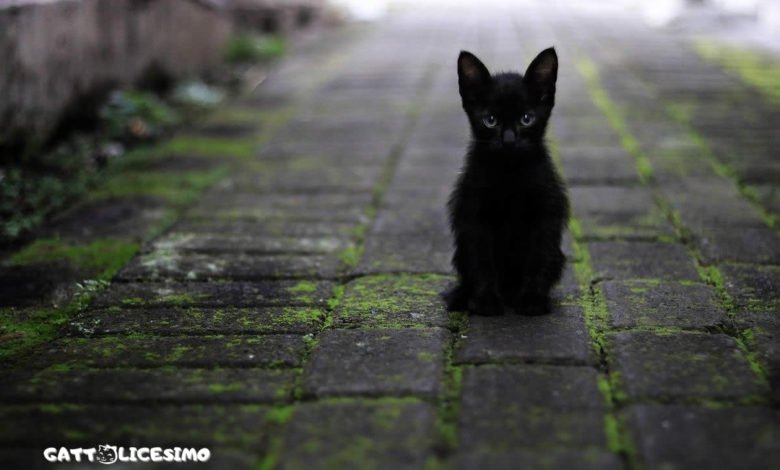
x=51, y=53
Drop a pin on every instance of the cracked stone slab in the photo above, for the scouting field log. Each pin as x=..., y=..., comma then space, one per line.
x=178, y=266
x=642, y=260
x=150, y=425
x=677, y=436
x=176, y=386
x=214, y=294
x=394, y=300
x=377, y=362
x=199, y=351
x=680, y=366
x=506, y=407
x=384, y=434
x=559, y=337
x=197, y=321
x=650, y=303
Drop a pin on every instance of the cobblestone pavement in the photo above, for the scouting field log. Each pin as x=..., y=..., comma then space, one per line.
x=291, y=317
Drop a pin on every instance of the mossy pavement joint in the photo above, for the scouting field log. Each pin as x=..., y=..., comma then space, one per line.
x=709, y=274
x=619, y=440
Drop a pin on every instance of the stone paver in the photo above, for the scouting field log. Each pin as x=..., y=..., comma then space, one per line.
x=508, y=407
x=682, y=366
x=658, y=304
x=559, y=338
x=377, y=362
x=743, y=437
x=290, y=316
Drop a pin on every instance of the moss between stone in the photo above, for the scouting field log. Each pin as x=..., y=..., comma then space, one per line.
x=301, y=290
x=588, y=70
x=719, y=167
x=19, y=337
x=759, y=70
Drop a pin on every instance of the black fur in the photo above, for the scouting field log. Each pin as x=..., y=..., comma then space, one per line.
x=509, y=207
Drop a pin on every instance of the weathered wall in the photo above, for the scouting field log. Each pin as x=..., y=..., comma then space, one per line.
x=51, y=52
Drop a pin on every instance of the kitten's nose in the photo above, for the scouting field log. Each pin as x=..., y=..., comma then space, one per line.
x=509, y=136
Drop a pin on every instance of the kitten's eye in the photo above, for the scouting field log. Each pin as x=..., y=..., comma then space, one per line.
x=490, y=121
x=527, y=119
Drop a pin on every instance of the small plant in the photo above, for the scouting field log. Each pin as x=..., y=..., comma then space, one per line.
x=135, y=116
x=33, y=189
x=245, y=47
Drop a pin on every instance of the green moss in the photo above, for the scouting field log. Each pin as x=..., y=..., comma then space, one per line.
x=719, y=167
x=336, y=296
x=177, y=353
x=225, y=388
x=758, y=69
x=209, y=147
x=301, y=291
x=746, y=343
x=350, y=256
x=177, y=188
x=588, y=70
x=244, y=47
x=303, y=287
x=183, y=299
x=290, y=316
x=280, y=414
x=100, y=258
x=18, y=337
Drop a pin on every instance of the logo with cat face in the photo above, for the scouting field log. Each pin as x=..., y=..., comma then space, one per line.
x=106, y=454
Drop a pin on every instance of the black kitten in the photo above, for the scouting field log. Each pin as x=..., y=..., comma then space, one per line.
x=509, y=207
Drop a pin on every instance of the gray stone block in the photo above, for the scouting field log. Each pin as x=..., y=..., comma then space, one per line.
x=393, y=301
x=173, y=386
x=651, y=304
x=546, y=459
x=752, y=287
x=359, y=434
x=683, y=366
x=530, y=406
x=642, y=260
x=560, y=337
x=679, y=437
x=175, y=266
x=214, y=294
x=214, y=426
x=197, y=321
x=191, y=351
x=377, y=363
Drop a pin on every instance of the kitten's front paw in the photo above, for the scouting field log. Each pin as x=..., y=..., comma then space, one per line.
x=532, y=305
x=457, y=298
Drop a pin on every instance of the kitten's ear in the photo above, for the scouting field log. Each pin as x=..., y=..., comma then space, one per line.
x=543, y=72
x=473, y=76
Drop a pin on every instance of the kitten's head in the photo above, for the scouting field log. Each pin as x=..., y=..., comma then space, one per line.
x=508, y=110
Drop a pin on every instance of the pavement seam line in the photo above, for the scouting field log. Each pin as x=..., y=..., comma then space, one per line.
x=711, y=275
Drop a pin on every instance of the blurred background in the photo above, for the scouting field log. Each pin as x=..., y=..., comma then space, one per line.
x=84, y=81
